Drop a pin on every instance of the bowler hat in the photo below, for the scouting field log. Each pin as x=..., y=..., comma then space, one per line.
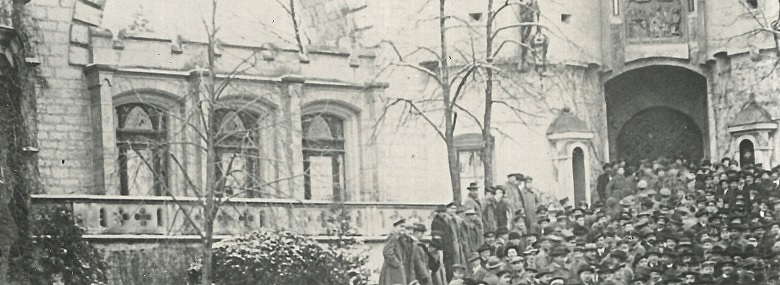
x=493, y=262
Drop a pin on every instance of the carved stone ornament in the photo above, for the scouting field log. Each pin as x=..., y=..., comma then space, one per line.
x=650, y=20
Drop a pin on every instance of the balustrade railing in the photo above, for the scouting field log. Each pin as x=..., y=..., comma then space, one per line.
x=125, y=216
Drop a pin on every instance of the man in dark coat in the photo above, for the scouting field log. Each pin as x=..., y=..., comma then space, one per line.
x=420, y=268
x=601, y=185
x=445, y=224
x=472, y=200
x=394, y=267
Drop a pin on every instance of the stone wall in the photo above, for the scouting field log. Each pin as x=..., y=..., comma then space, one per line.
x=64, y=121
x=736, y=80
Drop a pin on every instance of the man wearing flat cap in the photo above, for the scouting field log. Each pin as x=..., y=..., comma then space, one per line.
x=395, y=256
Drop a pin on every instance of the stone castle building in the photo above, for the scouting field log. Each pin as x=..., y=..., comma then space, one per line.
x=602, y=80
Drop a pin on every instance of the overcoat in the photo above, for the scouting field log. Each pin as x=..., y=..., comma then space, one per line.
x=393, y=270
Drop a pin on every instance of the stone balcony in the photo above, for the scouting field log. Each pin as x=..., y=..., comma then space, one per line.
x=156, y=217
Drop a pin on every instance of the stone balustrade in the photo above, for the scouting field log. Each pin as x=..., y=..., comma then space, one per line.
x=127, y=216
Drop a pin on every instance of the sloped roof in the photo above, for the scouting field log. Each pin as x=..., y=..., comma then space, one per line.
x=752, y=113
x=567, y=122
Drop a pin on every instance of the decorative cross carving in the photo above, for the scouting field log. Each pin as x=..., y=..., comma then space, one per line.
x=121, y=217
x=142, y=217
x=247, y=218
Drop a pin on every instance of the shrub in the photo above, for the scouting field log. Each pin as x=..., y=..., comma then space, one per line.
x=62, y=252
x=282, y=258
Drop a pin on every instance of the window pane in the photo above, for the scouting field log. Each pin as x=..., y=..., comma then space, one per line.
x=234, y=166
x=321, y=177
x=140, y=178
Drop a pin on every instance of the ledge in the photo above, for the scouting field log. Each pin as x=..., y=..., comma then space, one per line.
x=768, y=126
x=85, y=198
x=194, y=238
x=570, y=135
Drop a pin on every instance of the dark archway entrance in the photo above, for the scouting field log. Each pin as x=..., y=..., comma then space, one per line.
x=655, y=111
x=657, y=132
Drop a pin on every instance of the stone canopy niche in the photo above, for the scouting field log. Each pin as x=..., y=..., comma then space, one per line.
x=654, y=20
x=751, y=135
x=571, y=138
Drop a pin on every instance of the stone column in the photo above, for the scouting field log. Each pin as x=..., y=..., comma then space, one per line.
x=292, y=139
x=105, y=173
x=369, y=190
x=195, y=158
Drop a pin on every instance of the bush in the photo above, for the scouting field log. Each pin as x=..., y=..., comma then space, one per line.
x=282, y=258
x=62, y=252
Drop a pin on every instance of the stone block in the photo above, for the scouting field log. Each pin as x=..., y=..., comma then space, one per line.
x=87, y=13
x=98, y=3
x=79, y=34
x=78, y=55
x=361, y=20
x=53, y=3
x=353, y=5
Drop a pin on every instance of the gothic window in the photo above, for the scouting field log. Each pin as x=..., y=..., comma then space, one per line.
x=142, y=143
x=323, y=156
x=237, y=155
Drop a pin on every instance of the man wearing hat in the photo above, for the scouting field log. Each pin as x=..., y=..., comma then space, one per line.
x=445, y=223
x=418, y=269
x=474, y=231
x=395, y=256
x=532, y=199
x=558, y=265
x=472, y=201
x=601, y=184
x=493, y=266
x=477, y=266
x=512, y=187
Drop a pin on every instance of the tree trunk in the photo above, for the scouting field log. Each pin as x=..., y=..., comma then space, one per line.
x=210, y=207
x=450, y=118
x=487, y=137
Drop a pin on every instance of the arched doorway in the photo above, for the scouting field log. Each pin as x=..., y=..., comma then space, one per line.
x=657, y=110
x=659, y=132
x=578, y=174
x=746, y=153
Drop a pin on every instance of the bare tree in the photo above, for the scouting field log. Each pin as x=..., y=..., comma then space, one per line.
x=474, y=67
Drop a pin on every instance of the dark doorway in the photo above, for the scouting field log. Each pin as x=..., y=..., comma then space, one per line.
x=654, y=111
x=578, y=174
x=659, y=132
x=746, y=153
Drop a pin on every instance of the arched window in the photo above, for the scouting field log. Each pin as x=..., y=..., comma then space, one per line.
x=323, y=156
x=237, y=155
x=746, y=153
x=142, y=143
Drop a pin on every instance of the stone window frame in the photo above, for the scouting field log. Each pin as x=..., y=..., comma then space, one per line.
x=172, y=108
x=134, y=140
x=350, y=116
x=261, y=110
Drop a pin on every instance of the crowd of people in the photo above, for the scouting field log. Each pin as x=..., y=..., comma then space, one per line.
x=666, y=221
